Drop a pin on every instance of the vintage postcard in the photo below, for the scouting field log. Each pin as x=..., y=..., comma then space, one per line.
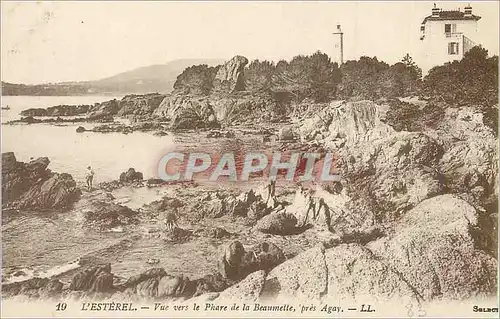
x=312, y=159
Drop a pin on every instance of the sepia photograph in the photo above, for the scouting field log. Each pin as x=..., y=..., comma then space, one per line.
x=312, y=159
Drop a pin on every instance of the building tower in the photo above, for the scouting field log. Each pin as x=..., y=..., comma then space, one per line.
x=447, y=35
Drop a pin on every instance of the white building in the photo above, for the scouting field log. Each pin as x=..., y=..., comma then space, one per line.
x=446, y=36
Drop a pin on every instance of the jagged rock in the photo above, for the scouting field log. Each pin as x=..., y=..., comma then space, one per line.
x=150, y=273
x=95, y=278
x=32, y=185
x=229, y=77
x=253, y=203
x=130, y=176
x=59, y=191
x=31, y=287
x=165, y=204
x=196, y=80
x=102, y=283
x=138, y=105
x=105, y=216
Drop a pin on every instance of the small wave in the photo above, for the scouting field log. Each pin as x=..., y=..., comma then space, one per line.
x=28, y=273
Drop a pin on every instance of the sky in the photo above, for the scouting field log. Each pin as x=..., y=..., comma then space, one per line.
x=43, y=42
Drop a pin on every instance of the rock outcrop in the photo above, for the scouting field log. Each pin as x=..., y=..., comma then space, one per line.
x=436, y=250
x=59, y=110
x=431, y=255
x=139, y=105
x=229, y=77
x=32, y=185
x=187, y=112
x=131, y=176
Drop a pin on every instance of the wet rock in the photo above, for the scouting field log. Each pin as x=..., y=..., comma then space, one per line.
x=105, y=216
x=236, y=263
x=52, y=289
x=80, y=129
x=95, y=278
x=148, y=274
x=29, y=287
x=219, y=134
x=102, y=283
x=130, y=176
x=59, y=110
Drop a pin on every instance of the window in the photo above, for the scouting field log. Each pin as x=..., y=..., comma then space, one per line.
x=453, y=48
x=450, y=28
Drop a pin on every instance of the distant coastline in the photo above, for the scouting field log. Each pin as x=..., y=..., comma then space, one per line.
x=72, y=89
x=159, y=78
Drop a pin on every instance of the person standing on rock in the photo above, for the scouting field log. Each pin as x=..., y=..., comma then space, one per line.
x=89, y=176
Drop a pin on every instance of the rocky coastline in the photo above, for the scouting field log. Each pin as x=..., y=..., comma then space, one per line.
x=414, y=215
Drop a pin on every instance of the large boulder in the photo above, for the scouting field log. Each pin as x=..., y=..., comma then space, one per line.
x=278, y=222
x=131, y=176
x=229, y=77
x=435, y=249
x=187, y=112
x=59, y=191
x=236, y=262
x=32, y=185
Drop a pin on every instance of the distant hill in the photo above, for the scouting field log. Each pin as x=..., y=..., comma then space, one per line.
x=149, y=79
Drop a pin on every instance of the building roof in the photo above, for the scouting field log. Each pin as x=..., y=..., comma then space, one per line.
x=451, y=15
